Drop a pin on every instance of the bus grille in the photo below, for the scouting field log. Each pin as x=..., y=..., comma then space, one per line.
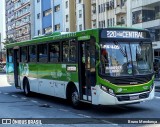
x=130, y=80
x=127, y=98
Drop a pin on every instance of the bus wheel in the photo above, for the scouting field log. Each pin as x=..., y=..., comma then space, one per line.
x=75, y=98
x=26, y=88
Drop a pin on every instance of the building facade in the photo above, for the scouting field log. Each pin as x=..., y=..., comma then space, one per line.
x=48, y=16
x=2, y=31
x=107, y=13
x=10, y=22
x=83, y=14
x=37, y=19
x=22, y=17
x=146, y=14
x=69, y=15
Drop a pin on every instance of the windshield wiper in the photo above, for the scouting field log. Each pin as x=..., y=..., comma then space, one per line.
x=124, y=52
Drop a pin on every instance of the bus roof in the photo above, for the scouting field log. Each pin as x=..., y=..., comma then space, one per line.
x=65, y=35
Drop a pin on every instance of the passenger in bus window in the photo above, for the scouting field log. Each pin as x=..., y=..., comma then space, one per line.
x=104, y=60
x=104, y=56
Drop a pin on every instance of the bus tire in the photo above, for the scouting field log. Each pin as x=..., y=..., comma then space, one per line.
x=26, y=88
x=75, y=101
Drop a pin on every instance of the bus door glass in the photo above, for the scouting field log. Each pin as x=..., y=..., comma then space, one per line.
x=88, y=68
x=16, y=68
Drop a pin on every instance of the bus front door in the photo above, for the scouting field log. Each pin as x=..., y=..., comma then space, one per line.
x=87, y=69
x=16, y=68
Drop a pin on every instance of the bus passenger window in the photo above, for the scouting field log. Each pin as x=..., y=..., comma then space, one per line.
x=66, y=51
x=24, y=54
x=73, y=53
x=54, y=52
x=32, y=53
x=42, y=51
x=69, y=51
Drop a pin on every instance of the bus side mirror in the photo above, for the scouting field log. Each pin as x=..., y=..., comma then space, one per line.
x=97, y=55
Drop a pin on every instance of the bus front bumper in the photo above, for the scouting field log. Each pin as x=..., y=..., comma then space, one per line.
x=104, y=98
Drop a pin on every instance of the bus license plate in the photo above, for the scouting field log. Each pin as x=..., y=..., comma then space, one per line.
x=134, y=97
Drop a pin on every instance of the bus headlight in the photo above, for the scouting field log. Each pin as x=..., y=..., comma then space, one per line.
x=108, y=90
x=151, y=87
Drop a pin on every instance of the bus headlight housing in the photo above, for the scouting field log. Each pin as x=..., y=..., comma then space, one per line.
x=107, y=90
x=151, y=87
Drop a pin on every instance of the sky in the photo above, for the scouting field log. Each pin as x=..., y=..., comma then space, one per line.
x=2, y=20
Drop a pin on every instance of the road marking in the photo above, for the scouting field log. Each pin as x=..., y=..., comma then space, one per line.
x=64, y=110
x=6, y=93
x=105, y=121
x=13, y=95
x=84, y=115
x=157, y=97
x=34, y=101
x=46, y=105
x=23, y=98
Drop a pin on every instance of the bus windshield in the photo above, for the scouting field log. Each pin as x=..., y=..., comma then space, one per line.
x=125, y=58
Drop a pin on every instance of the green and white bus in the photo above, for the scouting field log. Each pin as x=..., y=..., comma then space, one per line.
x=106, y=66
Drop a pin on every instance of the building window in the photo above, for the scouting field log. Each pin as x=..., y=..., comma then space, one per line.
x=38, y=1
x=94, y=23
x=113, y=22
x=80, y=13
x=57, y=8
x=67, y=29
x=104, y=23
x=47, y=12
x=38, y=16
x=47, y=30
x=38, y=32
x=104, y=7
x=80, y=27
x=94, y=9
x=66, y=4
x=108, y=24
x=66, y=18
x=122, y=20
x=99, y=8
x=57, y=27
x=80, y=1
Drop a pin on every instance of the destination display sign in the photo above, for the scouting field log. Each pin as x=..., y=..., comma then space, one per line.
x=124, y=34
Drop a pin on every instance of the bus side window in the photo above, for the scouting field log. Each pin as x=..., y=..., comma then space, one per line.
x=69, y=51
x=42, y=53
x=73, y=53
x=32, y=53
x=66, y=51
x=23, y=54
x=54, y=54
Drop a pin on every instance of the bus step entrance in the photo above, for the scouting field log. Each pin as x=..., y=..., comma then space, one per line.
x=86, y=93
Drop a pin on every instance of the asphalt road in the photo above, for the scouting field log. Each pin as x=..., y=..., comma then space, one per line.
x=15, y=105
